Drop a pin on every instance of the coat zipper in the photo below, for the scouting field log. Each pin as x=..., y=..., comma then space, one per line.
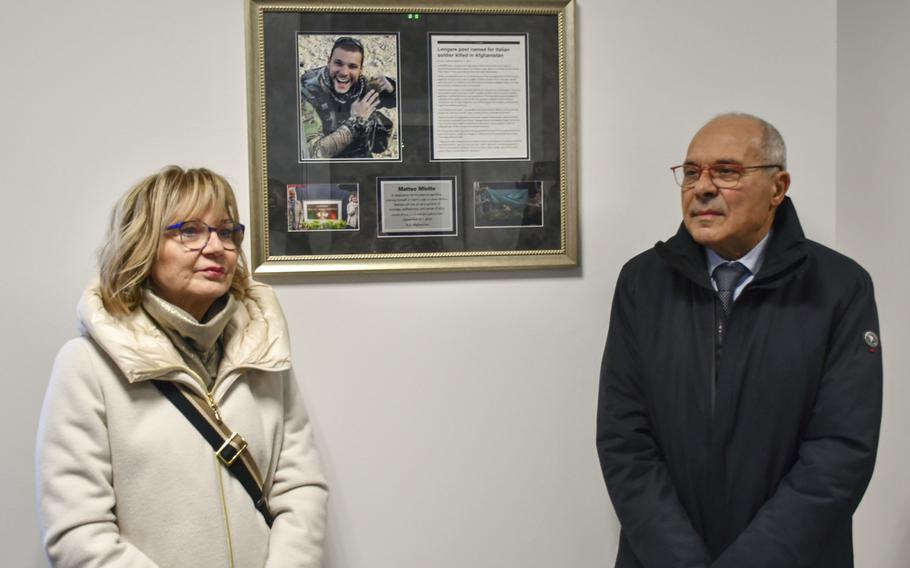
x=214, y=405
x=210, y=398
x=224, y=509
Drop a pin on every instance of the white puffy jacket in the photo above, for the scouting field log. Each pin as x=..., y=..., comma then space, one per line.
x=124, y=480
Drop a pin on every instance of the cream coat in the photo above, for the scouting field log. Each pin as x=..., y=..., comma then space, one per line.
x=124, y=480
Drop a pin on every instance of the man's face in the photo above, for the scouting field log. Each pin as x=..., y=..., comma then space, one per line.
x=731, y=221
x=344, y=69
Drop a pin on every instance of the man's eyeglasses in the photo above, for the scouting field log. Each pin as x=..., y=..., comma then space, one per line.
x=194, y=235
x=724, y=176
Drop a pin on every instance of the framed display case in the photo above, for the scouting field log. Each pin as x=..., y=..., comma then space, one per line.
x=411, y=136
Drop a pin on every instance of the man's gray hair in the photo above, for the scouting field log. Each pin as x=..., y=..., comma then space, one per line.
x=772, y=142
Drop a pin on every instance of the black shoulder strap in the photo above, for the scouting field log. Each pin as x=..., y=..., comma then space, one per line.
x=230, y=447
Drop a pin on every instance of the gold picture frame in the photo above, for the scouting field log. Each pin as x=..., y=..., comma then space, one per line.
x=411, y=136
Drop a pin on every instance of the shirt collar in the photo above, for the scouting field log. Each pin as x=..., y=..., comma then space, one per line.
x=751, y=260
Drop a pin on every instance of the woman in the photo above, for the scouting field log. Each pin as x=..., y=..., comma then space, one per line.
x=124, y=477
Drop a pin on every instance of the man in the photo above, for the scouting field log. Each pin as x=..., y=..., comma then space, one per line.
x=738, y=423
x=295, y=211
x=353, y=203
x=338, y=106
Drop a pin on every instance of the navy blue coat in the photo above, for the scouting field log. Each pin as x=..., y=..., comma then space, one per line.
x=770, y=477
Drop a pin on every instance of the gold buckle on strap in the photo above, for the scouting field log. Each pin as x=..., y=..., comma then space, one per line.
x=227, y=444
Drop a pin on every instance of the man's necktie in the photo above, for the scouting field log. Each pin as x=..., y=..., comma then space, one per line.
x=727, y=276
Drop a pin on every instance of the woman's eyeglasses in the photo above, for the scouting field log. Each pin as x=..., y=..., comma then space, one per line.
x=194, y=235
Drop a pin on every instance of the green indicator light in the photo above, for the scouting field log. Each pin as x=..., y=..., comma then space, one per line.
x=416, y=16
x=410, y=16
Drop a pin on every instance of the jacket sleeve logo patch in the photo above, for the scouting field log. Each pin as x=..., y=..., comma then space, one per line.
x=871, y=340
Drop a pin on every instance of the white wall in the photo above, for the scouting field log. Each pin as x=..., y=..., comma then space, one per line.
x=455, y=412
x=873, y=144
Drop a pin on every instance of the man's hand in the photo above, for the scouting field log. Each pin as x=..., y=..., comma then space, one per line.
x=383, y=83
x=363, y=108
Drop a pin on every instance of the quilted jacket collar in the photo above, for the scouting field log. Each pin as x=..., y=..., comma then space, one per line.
x=255, y=338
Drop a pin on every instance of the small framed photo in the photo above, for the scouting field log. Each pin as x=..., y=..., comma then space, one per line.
x=323, y=207
x=499, y=204
x=344, y=78
x=423, y=136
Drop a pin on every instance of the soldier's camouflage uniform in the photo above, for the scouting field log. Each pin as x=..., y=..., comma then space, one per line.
x=326, y=122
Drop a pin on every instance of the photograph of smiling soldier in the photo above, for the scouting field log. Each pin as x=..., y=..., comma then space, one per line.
x=340, y=102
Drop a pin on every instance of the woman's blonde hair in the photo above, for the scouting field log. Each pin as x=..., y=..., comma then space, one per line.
x=138, y=221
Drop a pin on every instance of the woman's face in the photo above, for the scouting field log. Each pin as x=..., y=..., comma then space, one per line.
x=193, y=280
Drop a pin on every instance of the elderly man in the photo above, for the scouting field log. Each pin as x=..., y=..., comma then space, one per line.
x=338, y=106
x=740, y=391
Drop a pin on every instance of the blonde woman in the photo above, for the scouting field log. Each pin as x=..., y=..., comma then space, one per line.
x=125, y=476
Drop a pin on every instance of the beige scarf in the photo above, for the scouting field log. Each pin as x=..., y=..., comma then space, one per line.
x=200, y=343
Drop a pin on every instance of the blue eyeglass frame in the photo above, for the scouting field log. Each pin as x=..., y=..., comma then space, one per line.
x=238, y=228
